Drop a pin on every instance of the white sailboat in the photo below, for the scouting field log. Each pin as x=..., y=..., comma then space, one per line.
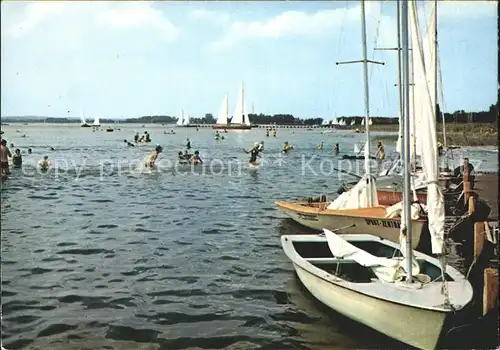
x=186, y=121
x=222, y=118
x=387, y=286
x=181, y=119
x=240, y=116
x=240, y=120
x=96, y=122
x=84, y=123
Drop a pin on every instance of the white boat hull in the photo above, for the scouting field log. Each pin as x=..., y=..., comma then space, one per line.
x=394, y=320
x=385, y=228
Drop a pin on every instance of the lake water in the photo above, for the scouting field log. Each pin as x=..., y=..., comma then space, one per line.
x=98, y=255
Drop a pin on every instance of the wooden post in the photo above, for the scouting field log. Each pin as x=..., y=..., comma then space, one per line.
x=466, y=170
x=490, y=290
x=472, y=203
x=466, y=192
x=479, y=231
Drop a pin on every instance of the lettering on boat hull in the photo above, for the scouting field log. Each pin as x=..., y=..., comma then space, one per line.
x=307, y=217
x=383, y=223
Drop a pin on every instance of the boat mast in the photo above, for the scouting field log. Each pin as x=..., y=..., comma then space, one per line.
x=399, y=84
x=365, y=62
x=226, y=109
x=242, y=104
x=436, y=75
x=406, y=140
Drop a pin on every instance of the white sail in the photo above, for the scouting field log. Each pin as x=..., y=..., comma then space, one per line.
x=222, y=118
x=371, y=122
x=96, y=121
x=82, y=118
x=180, y=120
x=363, y=121
x=239, y=115
x=425, y=112
x=186, y=121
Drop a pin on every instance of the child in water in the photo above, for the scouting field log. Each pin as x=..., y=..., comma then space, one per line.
x=44, y=163
x=196, y=158
x=17, y=159
x=254, y=152
x=151, y=159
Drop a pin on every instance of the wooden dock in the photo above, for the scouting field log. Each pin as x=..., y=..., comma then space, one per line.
x=486, y=187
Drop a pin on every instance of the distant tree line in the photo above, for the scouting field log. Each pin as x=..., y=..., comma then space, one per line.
x=489, y=116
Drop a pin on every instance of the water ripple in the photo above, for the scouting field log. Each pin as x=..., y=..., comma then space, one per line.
x=97, y=258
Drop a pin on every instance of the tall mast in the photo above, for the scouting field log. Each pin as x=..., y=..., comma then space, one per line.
x=227, y=108
x=365, y=62
x=406, y=140
x=399, y=84
x=242, y=103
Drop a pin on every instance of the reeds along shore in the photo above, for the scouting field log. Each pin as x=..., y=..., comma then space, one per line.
x=456, y=134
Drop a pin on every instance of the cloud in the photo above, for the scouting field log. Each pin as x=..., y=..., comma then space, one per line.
x=85, y=16
x=293, y=23
x=459, y=10
x=214, y=17
x=304, y=24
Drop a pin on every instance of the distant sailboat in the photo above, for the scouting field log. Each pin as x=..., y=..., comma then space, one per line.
x=184, y=121
x=84, y=122
x=96, y=122
x=222, y=118
x=240, y=120
x=180, y=120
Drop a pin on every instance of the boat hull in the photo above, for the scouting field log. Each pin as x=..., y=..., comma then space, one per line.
x=316, y=219
x=232, y=127
x=394, y=320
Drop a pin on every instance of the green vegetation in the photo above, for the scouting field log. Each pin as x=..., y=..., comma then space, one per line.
x=379, y=123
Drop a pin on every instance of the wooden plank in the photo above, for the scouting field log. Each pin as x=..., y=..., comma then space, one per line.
x=490, y=290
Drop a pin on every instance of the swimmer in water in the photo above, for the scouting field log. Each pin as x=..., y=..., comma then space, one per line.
x=17, y=159
x=182, y=158
x=188, y=144
x=195, y=159
x=130, y=144
x=286, y=147
x=254, y=152
x=4, y=158
x=136, y=137
x=44, y=163
x=151, y=159
x=336, y=148
x=261, y=146
x=320, y=146
x=29, y=151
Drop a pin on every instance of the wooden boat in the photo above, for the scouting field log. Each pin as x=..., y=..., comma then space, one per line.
x=351, y=279
x=371, y=221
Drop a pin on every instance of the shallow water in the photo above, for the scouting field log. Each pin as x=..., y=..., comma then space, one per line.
x=96, y=254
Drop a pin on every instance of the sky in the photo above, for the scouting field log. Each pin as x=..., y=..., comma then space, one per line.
x=128, y=59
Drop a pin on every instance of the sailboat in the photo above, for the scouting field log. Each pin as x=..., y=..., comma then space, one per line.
x=389, y=185
x=356, y=211
x=222, y=119
x=240, y=119
x=84, y=122
x=184, y=122
x=389, y=287
x=96, y=122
